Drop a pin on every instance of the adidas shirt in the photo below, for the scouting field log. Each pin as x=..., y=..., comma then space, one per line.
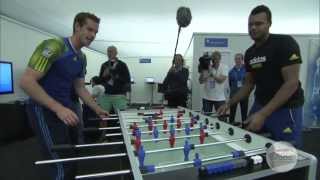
x=61, y=65
x=265, y=63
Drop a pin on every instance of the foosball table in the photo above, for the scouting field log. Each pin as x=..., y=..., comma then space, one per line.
x=181, y=143
x=169, y=144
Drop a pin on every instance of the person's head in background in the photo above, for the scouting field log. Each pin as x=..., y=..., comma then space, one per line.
x=178, y=60
x=216, y=58
x=85, y=28
x=238, y=60
x=259, y=24
x=95, y=81
x=112, y=53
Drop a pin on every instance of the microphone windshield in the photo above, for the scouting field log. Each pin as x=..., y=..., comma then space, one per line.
x=183, y=16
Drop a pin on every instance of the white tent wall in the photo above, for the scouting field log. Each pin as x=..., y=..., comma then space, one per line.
x=18, y=41
x=237, y=43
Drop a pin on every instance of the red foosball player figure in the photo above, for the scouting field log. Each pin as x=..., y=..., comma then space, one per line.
x=172, y=140
x=165, y=126
x=202, y=136
x=179, y=124
x=137, y=143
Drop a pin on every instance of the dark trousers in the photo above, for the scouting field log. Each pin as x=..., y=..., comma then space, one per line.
x=50, y=131
x=244, y=110
x=207, y=105
x=90, y=120
x=177, y=100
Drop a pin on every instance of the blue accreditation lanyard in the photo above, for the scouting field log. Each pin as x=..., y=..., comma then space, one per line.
x=238, y=77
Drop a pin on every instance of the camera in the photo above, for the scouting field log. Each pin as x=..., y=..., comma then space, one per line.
x=204, y=62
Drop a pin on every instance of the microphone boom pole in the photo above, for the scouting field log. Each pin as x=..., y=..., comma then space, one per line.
x=183, y=19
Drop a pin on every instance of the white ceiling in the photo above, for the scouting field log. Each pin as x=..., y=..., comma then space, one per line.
x=149, y=28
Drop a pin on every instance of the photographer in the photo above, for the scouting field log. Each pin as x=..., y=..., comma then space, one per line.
x=214, y=79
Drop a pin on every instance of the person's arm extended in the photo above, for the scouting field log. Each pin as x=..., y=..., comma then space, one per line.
x=290, y=76
x=85, y=96
x=29, y=83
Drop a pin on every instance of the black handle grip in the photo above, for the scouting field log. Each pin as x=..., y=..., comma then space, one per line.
x=61, y=147
x=90, y=129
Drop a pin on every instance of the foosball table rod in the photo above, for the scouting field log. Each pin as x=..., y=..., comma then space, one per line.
x=80, y=158
x=105, y=174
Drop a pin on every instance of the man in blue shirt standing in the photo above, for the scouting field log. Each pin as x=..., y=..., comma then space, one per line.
x=54, y=69
x=236, y=80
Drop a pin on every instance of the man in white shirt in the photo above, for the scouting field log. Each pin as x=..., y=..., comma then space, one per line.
x=97, y=89
x=214, y=83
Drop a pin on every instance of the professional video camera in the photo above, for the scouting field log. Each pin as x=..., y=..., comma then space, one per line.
x=204, y=62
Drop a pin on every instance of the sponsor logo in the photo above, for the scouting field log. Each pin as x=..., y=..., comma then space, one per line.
x=287, y=130
x=294, y=57
x=257, y=60
x=47, y=52
x=281, y=157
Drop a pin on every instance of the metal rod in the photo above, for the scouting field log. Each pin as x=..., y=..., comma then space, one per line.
x=182, y=122
x=99, y=144
x=213, y=115
x=113, y=134
x=178, y=137
x=61, y=147
x=207, y=159
x=198, y=145
x=100, y=129
x=103, y=119
x=157, y=120
x=167, y=130
x=80, y=158
x=112, y=173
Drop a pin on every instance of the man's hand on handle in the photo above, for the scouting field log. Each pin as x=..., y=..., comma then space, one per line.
x=67, y=116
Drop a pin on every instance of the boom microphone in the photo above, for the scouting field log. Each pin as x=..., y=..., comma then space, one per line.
x=184, y=16
x=183, y=19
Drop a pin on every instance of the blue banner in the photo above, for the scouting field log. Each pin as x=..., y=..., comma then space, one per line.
x=145, y=60
x=216, y=42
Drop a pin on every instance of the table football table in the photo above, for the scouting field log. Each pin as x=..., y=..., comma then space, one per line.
x=182, y=143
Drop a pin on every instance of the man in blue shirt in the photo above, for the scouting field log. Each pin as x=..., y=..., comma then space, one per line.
x=236, y=80
x=55, y=67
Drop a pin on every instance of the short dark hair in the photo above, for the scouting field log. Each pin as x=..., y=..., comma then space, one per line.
x=96, y=80
x=82, y=17
x=239, y=54
x=260, y=9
